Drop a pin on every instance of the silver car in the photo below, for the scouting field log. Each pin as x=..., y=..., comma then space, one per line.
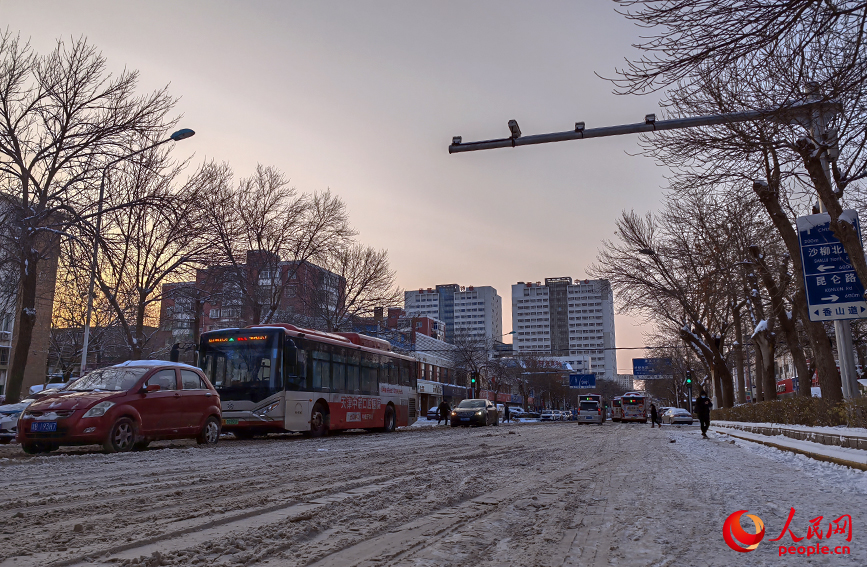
x=590, y=412
x=677, y=416
x=9, y=415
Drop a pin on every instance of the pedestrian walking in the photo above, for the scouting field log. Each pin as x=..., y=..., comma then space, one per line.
x=175, y=353
x=506, y=413
x=443, y=412
x=703, y=405
x=654, y=417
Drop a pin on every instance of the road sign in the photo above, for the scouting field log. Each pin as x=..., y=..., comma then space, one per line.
x=833, y=289
x=582, y=381
x=651, y=366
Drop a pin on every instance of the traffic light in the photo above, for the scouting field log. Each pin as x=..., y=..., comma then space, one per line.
x=473, y=378
x=688, y=377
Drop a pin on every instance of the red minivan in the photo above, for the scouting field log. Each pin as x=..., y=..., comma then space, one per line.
x=125, y=407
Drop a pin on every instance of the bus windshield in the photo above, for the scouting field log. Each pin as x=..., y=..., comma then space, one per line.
x=242, y=364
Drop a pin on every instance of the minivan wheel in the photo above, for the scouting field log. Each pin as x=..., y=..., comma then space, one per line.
x=122, y=436
x=210, y=433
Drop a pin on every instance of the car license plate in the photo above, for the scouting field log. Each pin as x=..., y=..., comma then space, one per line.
x=230, y=421
x=43, y=426
x=588, y=417
x=465, y=419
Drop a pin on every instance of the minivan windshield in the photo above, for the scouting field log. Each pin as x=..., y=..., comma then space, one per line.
x=108, y=379
x=472, y=404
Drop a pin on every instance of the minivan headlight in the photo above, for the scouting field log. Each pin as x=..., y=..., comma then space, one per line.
x=99, y=409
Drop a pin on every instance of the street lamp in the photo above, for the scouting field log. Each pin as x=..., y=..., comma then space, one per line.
x=181, y=134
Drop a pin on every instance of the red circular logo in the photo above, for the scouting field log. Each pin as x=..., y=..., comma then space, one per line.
x=735, y=536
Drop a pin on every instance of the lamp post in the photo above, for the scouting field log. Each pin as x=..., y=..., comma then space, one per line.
x=182, y=134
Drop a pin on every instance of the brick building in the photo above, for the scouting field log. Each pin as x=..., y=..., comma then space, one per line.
x=223, y=297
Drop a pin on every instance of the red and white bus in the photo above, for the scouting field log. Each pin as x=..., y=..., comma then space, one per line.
x=634, y=406
x=616, y=409
x=281, y=378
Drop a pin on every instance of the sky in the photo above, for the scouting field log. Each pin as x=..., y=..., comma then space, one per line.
x=364, y=97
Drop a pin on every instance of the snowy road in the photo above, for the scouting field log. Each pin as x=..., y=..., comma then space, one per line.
x=530, y=494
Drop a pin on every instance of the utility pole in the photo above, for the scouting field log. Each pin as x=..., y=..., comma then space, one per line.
x=810, y=114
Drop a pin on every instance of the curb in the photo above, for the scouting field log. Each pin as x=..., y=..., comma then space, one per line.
x=817, y=456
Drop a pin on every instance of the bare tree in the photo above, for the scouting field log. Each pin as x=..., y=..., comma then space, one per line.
x=159, y=241
x=284, y=230
x=62, y=115
x=357, y=279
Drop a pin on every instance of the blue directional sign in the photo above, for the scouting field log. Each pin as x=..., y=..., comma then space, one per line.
x=833, y=289
x=582, y=381
x=651, y=366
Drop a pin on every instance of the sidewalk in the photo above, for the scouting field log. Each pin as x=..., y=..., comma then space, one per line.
x=854, y=458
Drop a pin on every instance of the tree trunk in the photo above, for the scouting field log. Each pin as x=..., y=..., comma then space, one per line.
x=739, y=355
x=28, y=273
x=767, y=347
x=826, y=366
x=760, y=373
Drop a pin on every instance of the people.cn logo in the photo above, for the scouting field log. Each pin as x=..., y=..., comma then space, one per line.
x=735, y=536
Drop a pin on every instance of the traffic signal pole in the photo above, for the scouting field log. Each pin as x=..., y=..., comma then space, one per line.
x=811, y=114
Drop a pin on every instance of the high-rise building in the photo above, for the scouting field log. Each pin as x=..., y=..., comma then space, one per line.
x=563, y=318
x=472, y=312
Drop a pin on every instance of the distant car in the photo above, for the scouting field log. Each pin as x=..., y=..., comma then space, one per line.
x=9, y=415
x=517, y=411
x=432, y=413
x=124, y=407
x=475, y=412
x=677, y=416
x=549, y=415
x=590, y=412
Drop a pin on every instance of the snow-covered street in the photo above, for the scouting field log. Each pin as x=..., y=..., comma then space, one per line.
x=527, y=494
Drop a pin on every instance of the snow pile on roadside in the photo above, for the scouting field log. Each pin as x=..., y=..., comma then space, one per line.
x=836, y=430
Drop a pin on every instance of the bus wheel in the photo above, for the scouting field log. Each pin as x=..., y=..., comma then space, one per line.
x=390, y=420
x=319, y=421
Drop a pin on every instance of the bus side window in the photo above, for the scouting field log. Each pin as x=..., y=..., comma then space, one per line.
x=353, y=384
x=338, y=373
x=321, y=370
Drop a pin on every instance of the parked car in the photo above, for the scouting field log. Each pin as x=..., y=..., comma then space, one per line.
x=677, y=416
x=9, y=414
x=475, y=412
x=590, y=412
x=125, y=407
x=48, y=388
x=549, y=415
x=432, y=413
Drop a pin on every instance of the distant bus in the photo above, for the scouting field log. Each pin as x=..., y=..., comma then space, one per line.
x=281, y=378
x=616, y=409
x=634, y=406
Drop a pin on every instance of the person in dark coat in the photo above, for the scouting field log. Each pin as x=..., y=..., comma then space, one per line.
x=443, y=412
x=506, y=413
x=175, y=353
x=654, y=417
x=703, y=405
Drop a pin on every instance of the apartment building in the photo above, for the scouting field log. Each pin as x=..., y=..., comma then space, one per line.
x=566, y=319
x=467, y=311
